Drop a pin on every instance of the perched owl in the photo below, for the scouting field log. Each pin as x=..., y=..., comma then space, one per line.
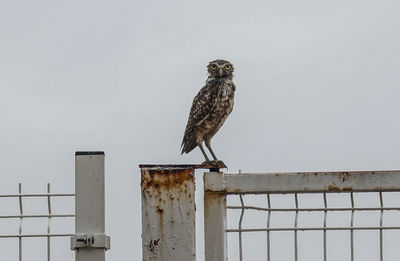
x=210, y=108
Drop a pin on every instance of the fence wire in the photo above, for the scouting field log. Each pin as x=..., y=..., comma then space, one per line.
x=286, y=207
x=22, y=216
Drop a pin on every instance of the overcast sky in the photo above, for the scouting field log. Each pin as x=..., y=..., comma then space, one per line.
x=317, y=89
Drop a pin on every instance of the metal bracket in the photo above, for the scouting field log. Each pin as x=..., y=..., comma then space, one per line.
x=90, y=241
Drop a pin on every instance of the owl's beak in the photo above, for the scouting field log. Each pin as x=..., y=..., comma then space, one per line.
x=220, y=72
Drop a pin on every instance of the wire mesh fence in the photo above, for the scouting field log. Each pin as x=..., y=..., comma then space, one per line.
x=317, y=226
x=78, y=219
x=29, y=221
x=303, y=216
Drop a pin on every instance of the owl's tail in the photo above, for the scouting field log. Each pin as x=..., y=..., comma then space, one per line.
x=189, y=141
x=188, y=147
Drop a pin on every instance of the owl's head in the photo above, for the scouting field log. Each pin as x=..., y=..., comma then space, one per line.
x=220, y=68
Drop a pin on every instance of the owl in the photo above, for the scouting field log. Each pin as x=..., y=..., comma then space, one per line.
x=210, y=108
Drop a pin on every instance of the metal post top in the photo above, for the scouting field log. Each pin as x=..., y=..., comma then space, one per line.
x=83, y=153
x=211, y=166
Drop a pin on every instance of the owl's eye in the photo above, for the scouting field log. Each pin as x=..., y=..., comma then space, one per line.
x=228, y=67
x=213, y=67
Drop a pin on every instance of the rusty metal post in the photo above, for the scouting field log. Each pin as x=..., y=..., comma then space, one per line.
x=168, y=214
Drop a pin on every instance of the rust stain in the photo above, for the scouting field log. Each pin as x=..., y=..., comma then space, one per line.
x=160, y=210
x=347, y=188
x=153, y=245
x=166, y=178
x=344, y=175
x=333, y=187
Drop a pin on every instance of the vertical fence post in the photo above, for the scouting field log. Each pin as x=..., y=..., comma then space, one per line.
x=215, y=217
x=90, y=241
x=168, y=214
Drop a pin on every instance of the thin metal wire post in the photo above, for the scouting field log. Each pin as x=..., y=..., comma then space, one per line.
x=268, y=225
x=325, y=219
x=351, y=226
x=295, y=226
x=48, y=222
x=240, y=229
x=381, y=225
x=21, y=212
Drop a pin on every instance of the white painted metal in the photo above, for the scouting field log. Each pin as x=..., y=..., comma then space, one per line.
x=21, y=212
x=37, y=195
x=23, y=216
x=39, y=216
x=89, y=201
x=215, y=219
x=304, y=182
x=35, y=235
x=168, y=215
x=90, y=241
x=218, y=185
x=48, y=222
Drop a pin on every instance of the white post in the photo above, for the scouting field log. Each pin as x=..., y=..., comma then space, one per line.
x=215, y=217
x=168, y=214
x=90, y=241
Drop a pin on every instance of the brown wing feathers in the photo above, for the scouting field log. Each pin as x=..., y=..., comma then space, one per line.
x=201, y=107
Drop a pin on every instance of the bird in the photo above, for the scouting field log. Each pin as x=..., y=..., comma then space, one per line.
x=210, y=108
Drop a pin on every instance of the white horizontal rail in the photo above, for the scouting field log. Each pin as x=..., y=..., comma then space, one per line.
x=37, y=195
x=303, y=182
x=35, y=235
x=313, y=209
x=309, y=229
x=39, y=216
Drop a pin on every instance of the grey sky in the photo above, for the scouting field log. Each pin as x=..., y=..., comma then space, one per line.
x=317, y=89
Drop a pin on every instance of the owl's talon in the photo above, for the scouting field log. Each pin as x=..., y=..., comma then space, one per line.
x=206, y=162
x=216, y=163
